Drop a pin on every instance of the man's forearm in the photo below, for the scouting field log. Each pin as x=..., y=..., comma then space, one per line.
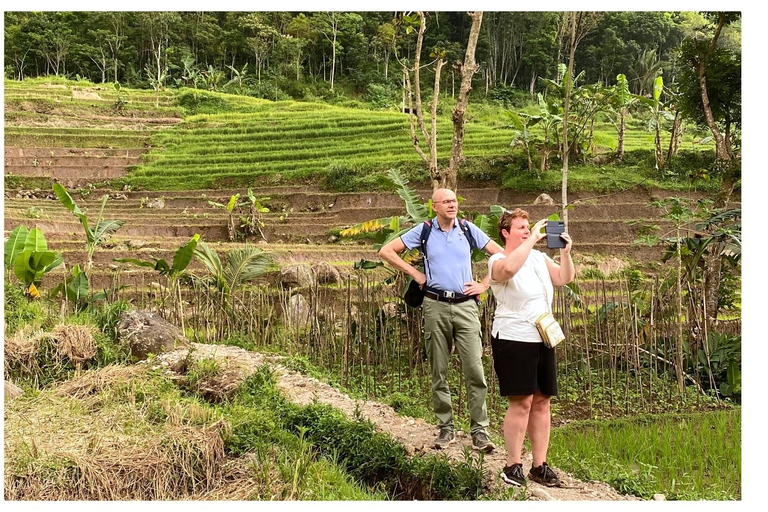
x=396, y=261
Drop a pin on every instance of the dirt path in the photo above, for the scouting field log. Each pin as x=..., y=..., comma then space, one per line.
x=415, y=434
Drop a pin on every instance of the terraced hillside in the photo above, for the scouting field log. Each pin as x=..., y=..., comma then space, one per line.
x=97, y=140
x=78, y=133
x=274, y=142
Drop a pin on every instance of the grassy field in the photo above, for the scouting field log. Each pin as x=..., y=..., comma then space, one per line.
x=685, y=457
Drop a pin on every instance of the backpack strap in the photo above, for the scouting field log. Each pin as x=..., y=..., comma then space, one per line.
x=468, y=233
x=425, y=232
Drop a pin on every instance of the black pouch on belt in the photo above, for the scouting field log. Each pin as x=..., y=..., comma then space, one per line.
x=414, y=295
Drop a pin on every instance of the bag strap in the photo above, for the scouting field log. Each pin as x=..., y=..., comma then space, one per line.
x=468, y=233
x=426, y=230
x=543, y=287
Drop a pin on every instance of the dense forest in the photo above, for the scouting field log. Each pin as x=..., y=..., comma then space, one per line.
x=277, y=55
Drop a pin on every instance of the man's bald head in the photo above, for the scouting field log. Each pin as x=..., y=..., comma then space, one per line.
x=442, y=194
x=445, y=205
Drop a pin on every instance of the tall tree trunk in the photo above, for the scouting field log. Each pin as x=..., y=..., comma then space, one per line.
x=657, y=143
x=679, y=317
x=722, y=150
x=468, y=69
x=333, y=64
x=566, y=107
x=674, y=138
x=622, y=131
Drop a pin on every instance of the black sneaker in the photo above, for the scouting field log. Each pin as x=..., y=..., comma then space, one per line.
x=480, y=441
x=443, y=439
x=513, y=475
x=544, y=475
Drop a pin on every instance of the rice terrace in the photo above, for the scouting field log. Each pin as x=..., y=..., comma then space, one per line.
x=194, y=303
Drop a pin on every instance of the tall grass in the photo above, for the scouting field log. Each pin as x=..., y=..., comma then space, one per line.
x=685, y=457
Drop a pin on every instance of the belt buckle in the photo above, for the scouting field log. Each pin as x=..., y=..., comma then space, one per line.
x=448, y=294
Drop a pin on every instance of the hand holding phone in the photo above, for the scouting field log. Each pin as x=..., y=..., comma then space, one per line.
x=553, y=230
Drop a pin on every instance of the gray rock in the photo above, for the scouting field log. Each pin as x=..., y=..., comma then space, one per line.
x=659, y=497
x=148, y=333
x=297, y=312
x=136, y=243
x=12, y=390
x=296, y=276
x=544, y=199
x=157, y=204
x=325, y=273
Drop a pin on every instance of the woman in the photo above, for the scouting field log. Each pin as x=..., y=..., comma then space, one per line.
x=522, y=279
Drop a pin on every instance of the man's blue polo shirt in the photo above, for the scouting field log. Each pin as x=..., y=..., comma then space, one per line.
x=449, y=265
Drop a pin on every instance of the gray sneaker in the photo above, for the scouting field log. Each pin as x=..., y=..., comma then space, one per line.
x=481, y=441
x=443, y=439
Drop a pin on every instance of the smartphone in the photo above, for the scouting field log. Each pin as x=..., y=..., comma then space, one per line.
x=553, y=230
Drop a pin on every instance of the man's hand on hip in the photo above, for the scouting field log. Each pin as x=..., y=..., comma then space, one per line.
x=474, y=288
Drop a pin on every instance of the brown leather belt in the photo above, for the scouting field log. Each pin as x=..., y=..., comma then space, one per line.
x=449, y=297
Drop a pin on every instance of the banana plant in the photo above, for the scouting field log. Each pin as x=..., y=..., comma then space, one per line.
x=253, y=223
x=658, y=112
x=390, y=228
x=26, y=251
x=173, y=272
x=622, y=100
x=230, y=207
x=522, y=123
x=94, y=236
x=76, y=290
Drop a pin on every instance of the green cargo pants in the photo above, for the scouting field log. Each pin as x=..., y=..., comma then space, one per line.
x=444, y=325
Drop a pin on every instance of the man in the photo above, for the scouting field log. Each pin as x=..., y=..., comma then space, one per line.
x=450, y=311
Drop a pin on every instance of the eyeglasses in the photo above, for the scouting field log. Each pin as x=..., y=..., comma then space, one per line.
x=448, y=201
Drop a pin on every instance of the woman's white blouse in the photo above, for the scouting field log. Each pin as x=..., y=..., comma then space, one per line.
x=521, y=299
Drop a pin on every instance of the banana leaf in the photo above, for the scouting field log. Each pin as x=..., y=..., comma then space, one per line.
x=184, y=255
x=35, y=241
x=15, y=244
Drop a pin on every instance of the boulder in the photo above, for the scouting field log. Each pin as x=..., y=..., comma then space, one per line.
x=325, y=273
x=12, y=390
x=148, y=333
x=297, y=312
x=544, y=199
x=296, y=276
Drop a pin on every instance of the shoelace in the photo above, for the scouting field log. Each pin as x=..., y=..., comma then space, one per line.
x=548, y=471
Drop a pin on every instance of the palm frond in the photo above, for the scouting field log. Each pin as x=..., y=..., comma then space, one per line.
x=245, y=264
x=417, y=211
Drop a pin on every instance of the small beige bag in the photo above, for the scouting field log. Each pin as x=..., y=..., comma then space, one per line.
x=549, y=329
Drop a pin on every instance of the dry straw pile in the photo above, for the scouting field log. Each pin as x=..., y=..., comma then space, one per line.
x=94, y=438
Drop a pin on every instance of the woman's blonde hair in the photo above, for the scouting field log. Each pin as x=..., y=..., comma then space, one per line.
x=505, y=222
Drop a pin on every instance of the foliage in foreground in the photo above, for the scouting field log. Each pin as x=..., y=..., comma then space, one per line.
x=374, y=459
x=685, y=457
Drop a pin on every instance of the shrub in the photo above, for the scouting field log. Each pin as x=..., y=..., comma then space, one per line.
x=341, y=178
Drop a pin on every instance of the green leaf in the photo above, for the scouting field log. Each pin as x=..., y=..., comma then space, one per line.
x=184, y=255
x=15, y=244
x=35, y=241
x=67, y=200
x=106, y=228
x=417, y=211
x=554, y=216
x=367, y=264
x=658, y=86
x=140, y=263
x=58, y=261
x=22, y=269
